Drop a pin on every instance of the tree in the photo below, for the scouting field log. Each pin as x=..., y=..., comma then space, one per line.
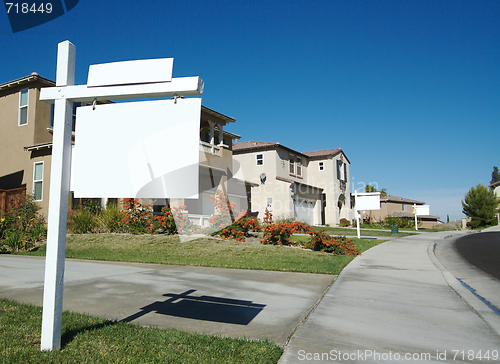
x=495, y=175
x=371, y=188
x=480, y=205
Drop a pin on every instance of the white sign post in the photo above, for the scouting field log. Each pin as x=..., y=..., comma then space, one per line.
x=365, y=201
x=419, y=211
x=140, y=79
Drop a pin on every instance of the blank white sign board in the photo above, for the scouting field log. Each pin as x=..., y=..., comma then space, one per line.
x=131, y=72
x=144, y=149
x=367, y=201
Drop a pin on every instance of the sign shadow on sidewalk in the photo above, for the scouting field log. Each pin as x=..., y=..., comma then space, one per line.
x=206, y=308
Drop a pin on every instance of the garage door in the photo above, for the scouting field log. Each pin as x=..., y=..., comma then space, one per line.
x=304, y=210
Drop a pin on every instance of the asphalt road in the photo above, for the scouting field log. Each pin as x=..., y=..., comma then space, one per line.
x=482, y=250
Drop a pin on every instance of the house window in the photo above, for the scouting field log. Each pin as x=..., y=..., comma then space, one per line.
x=38, y=181
x=345, y=171
x=403, y=206
x=298, y=167
x=292, y=164
x=260, y=159
x=321, y=166
x=338, y=169
x=23, y=107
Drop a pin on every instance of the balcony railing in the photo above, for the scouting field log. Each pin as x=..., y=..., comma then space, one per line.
x=209, y=148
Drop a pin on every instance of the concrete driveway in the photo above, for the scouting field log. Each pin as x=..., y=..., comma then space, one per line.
x=229, y=302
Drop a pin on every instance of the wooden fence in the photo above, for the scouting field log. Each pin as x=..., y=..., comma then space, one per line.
x=11, y=198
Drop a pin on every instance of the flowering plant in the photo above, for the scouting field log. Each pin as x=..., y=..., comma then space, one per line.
x=329, y=244
x=224, y=222
x=280, y=233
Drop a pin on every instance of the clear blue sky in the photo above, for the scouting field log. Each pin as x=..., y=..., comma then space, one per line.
x=409, y=90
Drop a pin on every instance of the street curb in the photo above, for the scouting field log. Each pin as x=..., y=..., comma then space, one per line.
x=479, y=307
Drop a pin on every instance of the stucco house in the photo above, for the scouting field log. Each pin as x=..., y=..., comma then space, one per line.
x=400, y=207
x=26, y=150
x=312, y=187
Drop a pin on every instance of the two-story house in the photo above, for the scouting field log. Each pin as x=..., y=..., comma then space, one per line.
x=26, y=149
x=312, y=187
x=25, y=140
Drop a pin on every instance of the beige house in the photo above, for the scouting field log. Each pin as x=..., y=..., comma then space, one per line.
x=400, y=207
x=312, y=187
x=25, y=139
x=26, y=148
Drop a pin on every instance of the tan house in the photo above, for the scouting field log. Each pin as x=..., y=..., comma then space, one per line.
x=400, y=207
x=26, y=148
x=312, y=187
x=25, y=139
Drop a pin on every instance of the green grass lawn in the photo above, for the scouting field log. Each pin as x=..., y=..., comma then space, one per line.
x=207, y=252
x=87, y=339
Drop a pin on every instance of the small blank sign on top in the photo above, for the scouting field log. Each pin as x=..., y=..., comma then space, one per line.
x=131, y=72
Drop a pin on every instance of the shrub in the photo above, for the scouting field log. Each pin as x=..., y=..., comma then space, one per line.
x=164, y=223
x=344, y=222
x=22, y=226
x=135, y=216
x=225, y=213
x=238, y=230
x=139, y=219
x=83, y=222
x=401, y=221
x=336, y=245
x=110, y=219
x=268, y=217
x=280, y=233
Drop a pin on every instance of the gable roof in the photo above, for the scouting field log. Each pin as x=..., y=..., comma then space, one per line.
x=257, y=145
x=323, y=153
x=390, y=198
x=25, y=80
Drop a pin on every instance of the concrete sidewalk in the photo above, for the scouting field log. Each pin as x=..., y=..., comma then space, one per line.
x=394, y=303
x=229, y=302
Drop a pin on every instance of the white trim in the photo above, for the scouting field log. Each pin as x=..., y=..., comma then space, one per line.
x=291, y=164
x=35, y=181
x=299, y=166
x=23, y=106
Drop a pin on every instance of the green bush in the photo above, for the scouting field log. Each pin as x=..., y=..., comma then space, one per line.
x=22, y=226
x=401, y=221
x=110, y=219
x=344, y=222
x=83, y=222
